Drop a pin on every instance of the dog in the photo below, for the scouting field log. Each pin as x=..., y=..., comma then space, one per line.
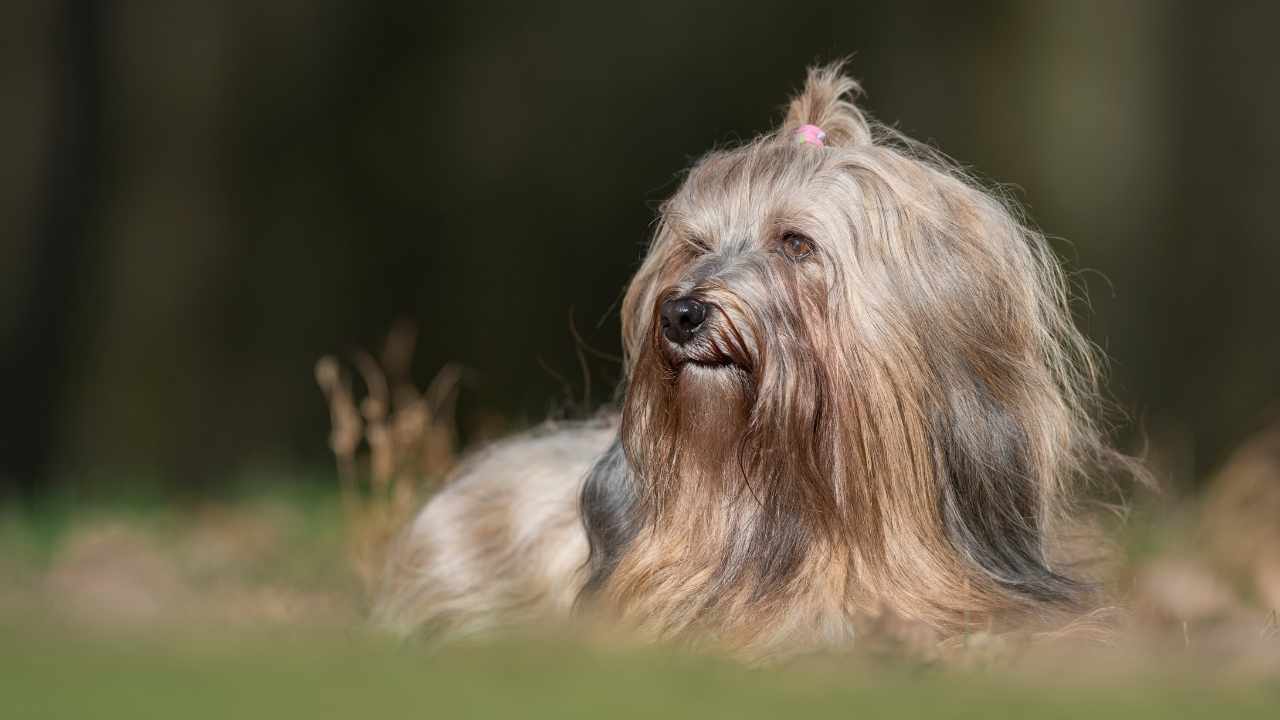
x=853, y=390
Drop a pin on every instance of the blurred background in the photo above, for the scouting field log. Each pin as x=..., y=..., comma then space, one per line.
x=198, y=200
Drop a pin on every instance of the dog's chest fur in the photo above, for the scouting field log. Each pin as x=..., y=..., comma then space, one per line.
x=504, y=543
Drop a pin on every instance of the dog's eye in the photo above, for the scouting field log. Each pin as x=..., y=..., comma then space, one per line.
x=796, y=246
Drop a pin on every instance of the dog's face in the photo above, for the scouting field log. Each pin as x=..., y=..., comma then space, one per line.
x=742, y=290
x=857, y=349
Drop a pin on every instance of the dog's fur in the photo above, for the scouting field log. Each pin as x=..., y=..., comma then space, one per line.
x=890, y=424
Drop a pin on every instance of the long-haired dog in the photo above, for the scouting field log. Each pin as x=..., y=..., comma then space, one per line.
x=853, y=390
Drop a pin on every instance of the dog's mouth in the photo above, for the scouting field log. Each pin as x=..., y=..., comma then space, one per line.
x=702, y=355
x=712, y=365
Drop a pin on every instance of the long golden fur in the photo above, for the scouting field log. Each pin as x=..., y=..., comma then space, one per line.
x=884, y=413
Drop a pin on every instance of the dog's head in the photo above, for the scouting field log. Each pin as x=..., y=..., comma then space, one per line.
x=837, y=329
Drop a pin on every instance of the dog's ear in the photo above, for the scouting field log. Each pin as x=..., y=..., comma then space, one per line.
x=827, y=102
x=609, y=506
x=992, y=496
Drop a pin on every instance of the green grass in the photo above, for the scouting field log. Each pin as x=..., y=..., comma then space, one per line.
x=253, y=613
x=317, y=674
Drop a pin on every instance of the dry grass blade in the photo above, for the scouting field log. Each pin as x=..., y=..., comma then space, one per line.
x=391, y=446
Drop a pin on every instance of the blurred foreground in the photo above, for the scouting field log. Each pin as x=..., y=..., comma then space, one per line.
x=245, y=607
x=290, y=674
x=256, y=604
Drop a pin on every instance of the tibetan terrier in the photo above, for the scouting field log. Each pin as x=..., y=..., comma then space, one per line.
x=853, y=391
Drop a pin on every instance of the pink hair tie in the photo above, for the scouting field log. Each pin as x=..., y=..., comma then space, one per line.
x=810, y=135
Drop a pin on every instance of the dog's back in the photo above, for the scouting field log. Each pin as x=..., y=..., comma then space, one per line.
x=502, y=541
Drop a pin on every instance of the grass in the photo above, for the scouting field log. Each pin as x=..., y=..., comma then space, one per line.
x=246, y=607
x=317, y=674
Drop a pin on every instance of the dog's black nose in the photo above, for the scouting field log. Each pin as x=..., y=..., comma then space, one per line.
x=681, y=318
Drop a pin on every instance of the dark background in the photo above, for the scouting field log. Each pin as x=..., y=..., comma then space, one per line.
x=199, y=199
